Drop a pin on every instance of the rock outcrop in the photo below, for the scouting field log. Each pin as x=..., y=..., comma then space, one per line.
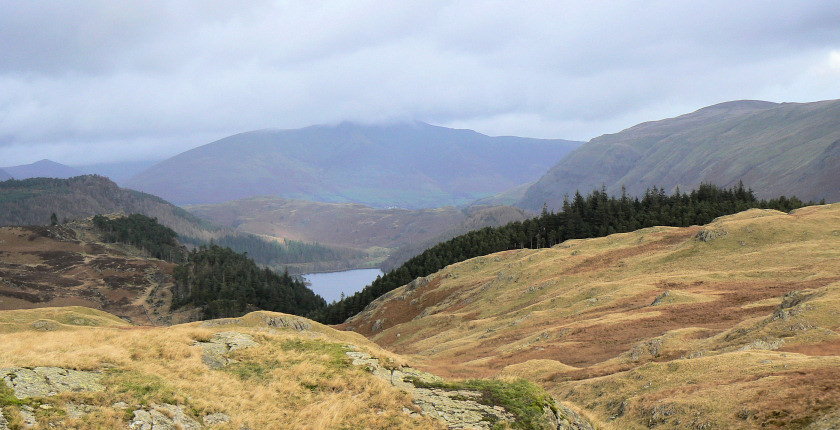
x=163, y=417
x=215, y=351
x=49, y=381
x=458, y=409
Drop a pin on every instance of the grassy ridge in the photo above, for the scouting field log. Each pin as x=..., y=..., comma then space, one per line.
x=582, y=217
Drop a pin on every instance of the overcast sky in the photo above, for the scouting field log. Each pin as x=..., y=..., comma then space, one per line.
x=99, y=81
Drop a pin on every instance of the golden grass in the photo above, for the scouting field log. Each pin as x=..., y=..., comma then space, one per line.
x=300, y=380
x=579, y=319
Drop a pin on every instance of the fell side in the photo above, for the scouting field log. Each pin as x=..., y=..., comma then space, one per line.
x=727, y=325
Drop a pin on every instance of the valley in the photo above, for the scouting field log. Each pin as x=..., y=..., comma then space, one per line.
x=388, y=236
x=688, y=305
x=394, y=215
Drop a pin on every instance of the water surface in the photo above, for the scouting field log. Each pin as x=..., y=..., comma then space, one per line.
x=331, y=285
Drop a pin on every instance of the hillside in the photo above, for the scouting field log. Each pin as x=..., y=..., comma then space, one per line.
x=405, y=165
x=68, y=265
x=595, y=215
x=42, y=169
x=4, y=175
x=79, y=368
x=728, y=325
x=32, y=201
x=349, y=225
x=777, y=149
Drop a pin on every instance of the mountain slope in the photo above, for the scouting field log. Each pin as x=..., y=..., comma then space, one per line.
x=42, y=169
x=68, y=265
x=32, y=201
x=354, y=226
x=406, y=165
x=91, y=370
x=776, y=149
x=728, y=325
x=4, y=175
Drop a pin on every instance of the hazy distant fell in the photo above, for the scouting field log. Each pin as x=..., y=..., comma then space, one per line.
x=407, y=165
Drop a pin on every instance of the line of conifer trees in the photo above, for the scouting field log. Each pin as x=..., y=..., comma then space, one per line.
x=225, y=283
x=594, y=215
x=143, y=232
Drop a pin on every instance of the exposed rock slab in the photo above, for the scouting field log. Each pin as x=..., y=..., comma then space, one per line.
x=458, y=409
x=28, y=414
x=284, y=321
x=216, y=419
x=215, y=351
x=49, y=381
x=4, y=425
x=163, y=417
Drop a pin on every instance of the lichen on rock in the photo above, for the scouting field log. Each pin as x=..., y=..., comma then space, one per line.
x=215, y=351
x=49, y=381
x=163, y=417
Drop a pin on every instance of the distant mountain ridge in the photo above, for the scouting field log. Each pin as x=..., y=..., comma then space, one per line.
x=32, y=201
x=412, y=165
x=4, y=175
x=41, y=169
x=774, y=148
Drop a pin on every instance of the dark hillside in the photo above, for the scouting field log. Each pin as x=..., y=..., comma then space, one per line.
x=780, y=149
x=33, y=201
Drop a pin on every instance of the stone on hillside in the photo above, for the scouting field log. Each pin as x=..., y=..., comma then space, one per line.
x=49, y=381
x=214, y=352
x=658, y=300
x=75, y=411
x=710, y=235
x=216, y=419
x=4, y=425
x=28, y=414
x=222, y=322
x=566, y=419
x=45, y=325
x=163, y=417
x=458, y=409
x=294, y=323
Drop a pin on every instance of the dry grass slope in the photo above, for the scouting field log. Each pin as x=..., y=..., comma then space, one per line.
x=294, y=378
x=729, y=325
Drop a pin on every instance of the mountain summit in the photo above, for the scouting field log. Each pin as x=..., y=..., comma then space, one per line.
x=42, y=169
x=409, y=165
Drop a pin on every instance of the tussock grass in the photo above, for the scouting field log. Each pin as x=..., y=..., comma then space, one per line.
x=292, y=379
x=579, y=318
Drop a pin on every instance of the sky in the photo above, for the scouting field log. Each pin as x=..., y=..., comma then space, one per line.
x=99, y=81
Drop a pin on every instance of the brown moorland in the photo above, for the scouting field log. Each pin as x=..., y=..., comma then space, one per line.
x=729, y=325
x=67, y=265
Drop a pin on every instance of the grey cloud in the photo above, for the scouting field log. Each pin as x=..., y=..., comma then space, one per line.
x=150, y=79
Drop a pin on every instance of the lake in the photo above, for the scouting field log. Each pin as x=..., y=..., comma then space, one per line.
x=331, y=285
